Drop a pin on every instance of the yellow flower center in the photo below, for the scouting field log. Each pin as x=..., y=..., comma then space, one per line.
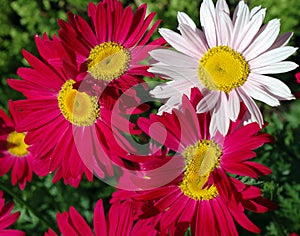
x=201, y=159
x=78, y=107
x=108, y=61
x=222, y=68
x=16, y=145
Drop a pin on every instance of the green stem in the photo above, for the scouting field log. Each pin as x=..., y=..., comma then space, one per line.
x=22, y=202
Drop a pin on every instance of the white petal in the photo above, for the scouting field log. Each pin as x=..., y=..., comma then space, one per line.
x=271, y=57
x=174, y=102
x=279, y=67
x=251, y=105
x=219, y=119
x=260, y=94
x=176, y=74
x=282, y=40
x=240, y=14
x=173, y=58
x=254, y=11
x=225, y=29
x=240, y=20
x=264, y=40
x=171, y=89
x=183, y=18
x=208, y=22
x=213, y=124
x=233, y=105
x=208, y=102
x=164, y=91
x=199, y=36
x=222, y=114
x=249, y=32
x=224, y=23
x=276, y=87
x=221, y=6
x=178, y=42
x=196, y=38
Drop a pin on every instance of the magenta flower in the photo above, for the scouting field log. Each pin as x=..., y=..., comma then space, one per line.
x=118, y=222
x=62, y=115
x=14, y=153
x=112, y=47
x=204, y=196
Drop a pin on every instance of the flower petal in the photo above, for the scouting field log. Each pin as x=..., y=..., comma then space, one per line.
x=272, y=57
x=233, y=105
x=178, y=42
x=276, y=68
x=265, y=39
x=208, y=22
x=274, y=86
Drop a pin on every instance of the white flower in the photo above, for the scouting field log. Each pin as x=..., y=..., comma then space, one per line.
x=228, y=61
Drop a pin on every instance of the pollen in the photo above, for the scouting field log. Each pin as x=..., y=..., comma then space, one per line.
x=108, y=61
x=78, y=108
x=222, y=68
x=201, y=159
x=16, y=145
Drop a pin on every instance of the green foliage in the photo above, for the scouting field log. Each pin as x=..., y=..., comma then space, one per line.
x=285, y=10
x=167, y=10
x=42, y=200
x=282, y=156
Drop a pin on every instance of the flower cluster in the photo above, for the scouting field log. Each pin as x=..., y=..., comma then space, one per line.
x=85, y=113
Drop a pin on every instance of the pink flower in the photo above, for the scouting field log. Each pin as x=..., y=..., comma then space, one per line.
x=118, y=222
x=7, y=218
x=112, y=47
x=65, y=121
x=14, y=153
x=204, y=196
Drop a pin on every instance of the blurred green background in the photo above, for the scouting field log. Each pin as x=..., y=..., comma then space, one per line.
x=20, y=20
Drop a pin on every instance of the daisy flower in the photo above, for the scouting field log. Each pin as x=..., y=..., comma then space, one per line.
x=14, y=153
x=204, y=196
x=228, y=60
x=7, y=218
x=112, y=47
x=62, y=115
x=118, y=222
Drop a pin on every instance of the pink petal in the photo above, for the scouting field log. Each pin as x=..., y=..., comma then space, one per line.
x=99, y=221
x=79, y=223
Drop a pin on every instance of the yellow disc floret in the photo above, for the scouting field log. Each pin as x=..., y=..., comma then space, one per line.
x=108, y=61
x=16, y=145
x=78, y=107
x=201, y=159
x=222, y=68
